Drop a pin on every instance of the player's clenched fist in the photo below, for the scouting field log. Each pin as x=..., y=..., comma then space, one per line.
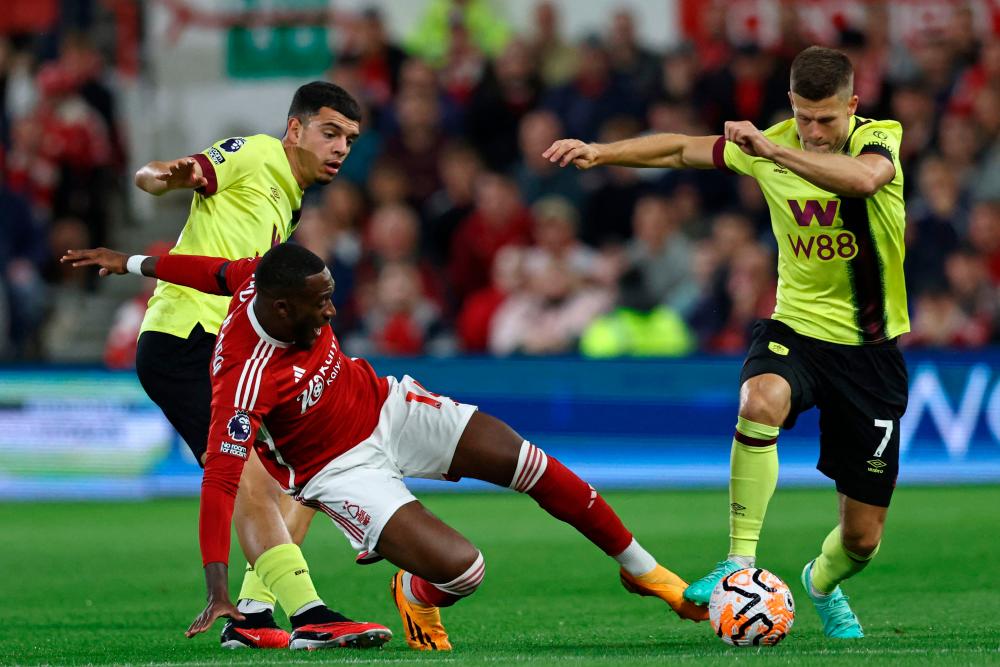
x=751, y=141
x=566, y=151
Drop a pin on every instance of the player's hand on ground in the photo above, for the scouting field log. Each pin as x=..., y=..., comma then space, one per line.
x=572, y=151
x=109, y=261
x=751, y=141
x=215, y=609
x=182, y=173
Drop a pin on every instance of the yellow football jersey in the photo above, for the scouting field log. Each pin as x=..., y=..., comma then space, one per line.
x=840, y=259
x=251, y=203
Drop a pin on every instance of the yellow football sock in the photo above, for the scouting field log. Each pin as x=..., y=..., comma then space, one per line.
x=835, y=563
x=752, y=478
x=283, y=570
x=254, y=589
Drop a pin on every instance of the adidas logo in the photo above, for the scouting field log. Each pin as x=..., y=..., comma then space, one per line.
x=298, y=372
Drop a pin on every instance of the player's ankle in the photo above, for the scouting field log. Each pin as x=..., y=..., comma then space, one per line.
x=743, y=561
x=316, y=615
x=248, y=606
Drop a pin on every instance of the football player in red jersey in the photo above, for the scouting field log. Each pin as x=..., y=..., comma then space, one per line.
x=340, y=439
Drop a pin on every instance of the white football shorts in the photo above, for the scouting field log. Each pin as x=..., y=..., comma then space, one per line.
x=416, y=436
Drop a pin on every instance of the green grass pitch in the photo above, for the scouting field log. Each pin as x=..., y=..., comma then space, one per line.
x=117, y=583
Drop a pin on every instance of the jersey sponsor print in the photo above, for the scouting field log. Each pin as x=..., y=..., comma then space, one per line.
x=840, y=259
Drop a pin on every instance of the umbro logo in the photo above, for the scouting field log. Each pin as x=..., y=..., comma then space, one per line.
x=876, y=465
x=737, y=509
x=298, y=372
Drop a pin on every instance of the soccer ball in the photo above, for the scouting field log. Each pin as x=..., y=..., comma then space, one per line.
x=751, y=607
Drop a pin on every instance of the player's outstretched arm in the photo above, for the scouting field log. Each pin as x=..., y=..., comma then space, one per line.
x=674, y=151
x=108, y=261
x=158, y=177
x=219, y=604
x=211, y=275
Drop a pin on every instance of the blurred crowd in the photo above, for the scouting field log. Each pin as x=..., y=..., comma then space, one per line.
x=62, y=170
x=448, y=233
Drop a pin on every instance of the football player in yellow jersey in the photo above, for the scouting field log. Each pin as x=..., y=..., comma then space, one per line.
x=833, y=185
x=247, y=194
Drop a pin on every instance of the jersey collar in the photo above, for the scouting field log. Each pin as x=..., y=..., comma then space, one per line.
x=259, y=329
x=846, y=148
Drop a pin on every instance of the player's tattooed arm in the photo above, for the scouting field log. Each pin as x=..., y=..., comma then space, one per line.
x=158, y=177
x=674, y=151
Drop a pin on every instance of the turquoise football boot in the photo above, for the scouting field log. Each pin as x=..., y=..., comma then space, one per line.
x=839, y=622
x=700, y=591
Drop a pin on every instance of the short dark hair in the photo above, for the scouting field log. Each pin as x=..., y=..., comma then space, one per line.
x=312, y=97
x=284, y=268
x=819, y=73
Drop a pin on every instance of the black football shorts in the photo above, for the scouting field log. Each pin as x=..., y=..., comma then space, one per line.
x=861, y=393
x=175, y=374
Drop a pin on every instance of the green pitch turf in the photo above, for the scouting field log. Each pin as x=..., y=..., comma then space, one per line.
x=106, y=583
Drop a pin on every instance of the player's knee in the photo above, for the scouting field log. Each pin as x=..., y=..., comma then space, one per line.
x=254, y=492
x=765, y=400
x=861, y=543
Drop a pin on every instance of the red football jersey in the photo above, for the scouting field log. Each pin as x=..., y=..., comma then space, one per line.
x=316, y=403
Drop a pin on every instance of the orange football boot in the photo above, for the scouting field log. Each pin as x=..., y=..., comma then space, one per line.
x=422, y=624
x=667, y=586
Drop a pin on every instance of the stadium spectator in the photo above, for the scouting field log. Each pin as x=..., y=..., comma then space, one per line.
x=393, y=237
x=639, y=326
x=23, y=253
x=557, y=59
x=960, y=146
x=32, y=173
x=475, y=320
x=77, y=141
x=661, y=253
x=473, y=21
x=499, y=219
x=119, y=348
x=378, y=59
x=555, y=234
x=975, y=293
x=549, y=315
x=936, y=217
x=594, y=95
x=459, y=168
x=635, y=64
x=537, y=177
x=607, y=210
x=984, y=235
x=509, y=91
x=333, y=231
x=709, y=314
x=913, y=105
x=939, y=321
x=750, y=286
x=416, y=147
x=400, y=319
x=388, y=183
